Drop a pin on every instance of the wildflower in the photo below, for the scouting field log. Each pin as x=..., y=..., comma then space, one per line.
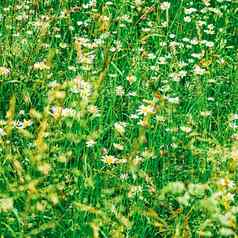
x=131, y=94
x=55, y=110
x=226, y=232
x=148, y=154
x=197, y=55
x=163, y=44
x=209, y=44
x=143, y=123
x=186, y=129
x=18, y=124
x=4, y=71
x=211, y=99
x=187, y=19
x=62, y=159
x=165, y=5
x=72, y=68
x=120, y=127
x=63, y=45
x=189, y=11
x=44, y=168
x=172, y=36
x=229, y=197
x=205, y=113
x=122, y=161
x=162, y=60
x=53, y=84
x=6, y=204
x=41, y=66
x=174, y=145
x=40, y=206
x=2, y=132
x=93, y=110
x=124, y=176
x=233, y=125
x=118, y=146
x=120, y=91
x=164, y=24
x=134, y=116
x=234, y=136
x=138, y=3
x=82, y=87
x=151, y=56
x=175, y=77
x=198, y=70
x=104, y=151
x=145, y=110
x=175, y=187
x=68, y=112
x=234, y=117
x=71, y=28
x=110, y=159
x=23, y=124
x=184, y=200
x=160, y=118
x=182, y=73
x=173, y=100
x=226, y=183
x=90, y=143
x=194, y=41
x=197, y=189
x=206, y=2
x=54, y=198
x=134, y=190
x=131, y=79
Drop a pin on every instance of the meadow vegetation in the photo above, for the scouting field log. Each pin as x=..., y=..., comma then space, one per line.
x=118, y=118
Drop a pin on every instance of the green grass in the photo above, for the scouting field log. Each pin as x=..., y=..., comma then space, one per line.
x=118, y=118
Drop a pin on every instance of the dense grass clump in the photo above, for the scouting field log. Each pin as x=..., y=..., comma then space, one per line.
x=118, y=118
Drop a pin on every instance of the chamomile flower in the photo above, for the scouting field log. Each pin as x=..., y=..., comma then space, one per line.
x=109, y=159
x=2, y=132
x=145, y=110
x=120, y=127
x=90, y=143
x=4, y=71
x=118, y=146
x=198, y=70
x=120, y=91
x=41, y=66
x=165, y=5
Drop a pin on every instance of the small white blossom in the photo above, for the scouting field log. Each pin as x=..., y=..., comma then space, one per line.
x=145, y=110
x=187, y=19
x=173, y=100
x=165, y=5
x=198, y=70
x=120, y=127
x=90, y=143
x=118, y=146
x=41, y=66
x=186, y=129
x=131, y=78
x=4, y=71
x=2, y=132
x=109, y=159
x=120, y=91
